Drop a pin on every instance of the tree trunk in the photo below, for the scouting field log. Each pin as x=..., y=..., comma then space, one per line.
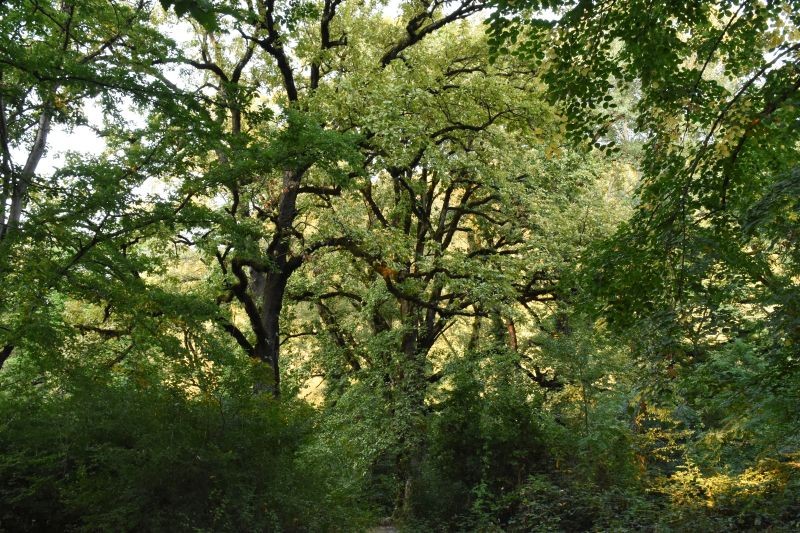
x=19, y=191
x=269, y=287
x=5, y=353
x=268, y=346
x=412, y=391
x=5, y=163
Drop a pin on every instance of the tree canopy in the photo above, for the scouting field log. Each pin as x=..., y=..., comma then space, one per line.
x=437, y=265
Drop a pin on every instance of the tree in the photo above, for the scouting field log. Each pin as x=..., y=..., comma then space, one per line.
x=455, y=220
x=266, y=163
x=717, y=83
x=703, y=278
x=59, y=59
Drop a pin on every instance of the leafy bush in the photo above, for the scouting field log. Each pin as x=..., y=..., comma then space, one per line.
x=123, y=458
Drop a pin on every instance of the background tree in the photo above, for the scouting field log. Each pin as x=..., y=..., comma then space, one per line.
x=689, y=276
x=61, y=61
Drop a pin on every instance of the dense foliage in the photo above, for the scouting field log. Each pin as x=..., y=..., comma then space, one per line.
x=322, y=265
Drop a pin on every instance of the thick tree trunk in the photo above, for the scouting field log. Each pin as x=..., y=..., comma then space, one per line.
x=412, y=391
x=269, y=287
x=268, y=346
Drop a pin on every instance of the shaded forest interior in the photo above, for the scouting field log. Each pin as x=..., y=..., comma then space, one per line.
x=441, y=265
